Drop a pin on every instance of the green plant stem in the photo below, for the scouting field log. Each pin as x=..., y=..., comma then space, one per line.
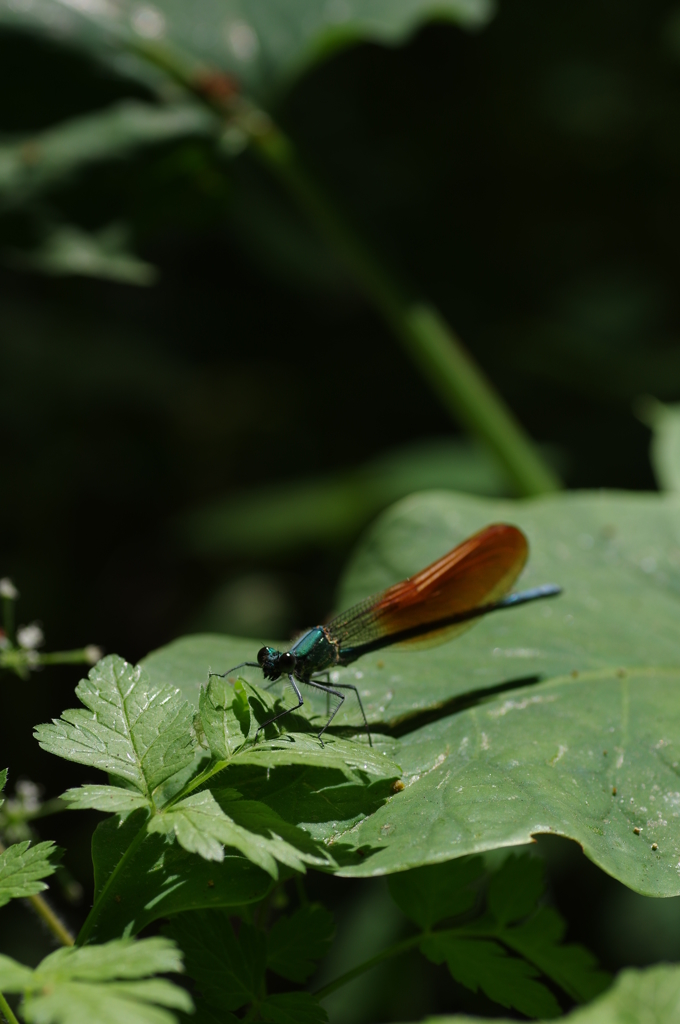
x=48, y=916
x=6, y=1011
x=451, y=372
x=474, y=932
x=387, y=954
x=54, y=806
x=79, y=657
x=91, y=919
x=427, y=338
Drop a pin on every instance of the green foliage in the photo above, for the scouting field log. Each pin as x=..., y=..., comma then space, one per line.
x=615, y=555
x=295, y=943
x=230, y=971
x=112, y=799
x=515, y=889
x=293, y=1008
x=477, y=774
x=135, y=887
x=67, y=249
x=432, y=894
x=108, y=983
x=508, y=981
x=40, y=162
x=476, y=950
x=587, y=751
x=140, y=734
x=201, y=826
x=22, y=868
x=263, y=49
x=636, y=997
x=171, y=789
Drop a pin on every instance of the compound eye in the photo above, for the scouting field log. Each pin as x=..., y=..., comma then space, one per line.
x=287, y=662
x=262, y=655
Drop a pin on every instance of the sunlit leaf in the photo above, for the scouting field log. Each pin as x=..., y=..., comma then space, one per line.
x=201, y=826
x=615, y=555
x=593, y=758
x=22, y=868
x=108, y=984
x=104, y=798
x=136, y=731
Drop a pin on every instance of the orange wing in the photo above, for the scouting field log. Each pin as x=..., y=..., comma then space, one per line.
x=478, y=572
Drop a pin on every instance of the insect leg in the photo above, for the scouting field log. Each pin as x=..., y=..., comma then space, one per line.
x=244, y=664
x=286, y=711
x=328, y=690
x=327, y=677
x=344, y=686
x=350, y=686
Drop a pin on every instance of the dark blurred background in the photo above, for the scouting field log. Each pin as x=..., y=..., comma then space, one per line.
x=524, y=178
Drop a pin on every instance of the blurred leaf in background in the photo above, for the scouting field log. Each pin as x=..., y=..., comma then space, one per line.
x=664, y=453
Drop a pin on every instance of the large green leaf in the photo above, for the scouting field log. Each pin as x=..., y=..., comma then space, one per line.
x=595, y=758
x=617, y=556
x=262, y=42
x=651, y=996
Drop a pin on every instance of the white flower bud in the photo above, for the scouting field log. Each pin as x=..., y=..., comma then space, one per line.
x=93, y=654
x=30, y=637
x=7, y=589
